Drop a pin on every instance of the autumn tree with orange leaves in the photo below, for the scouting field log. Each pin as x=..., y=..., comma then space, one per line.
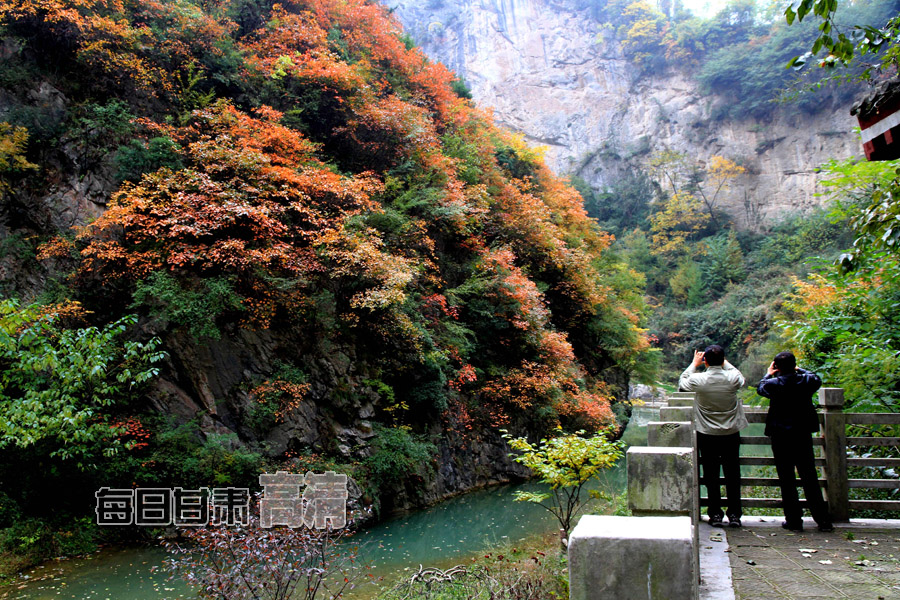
x=365, y=187
x=291, y=182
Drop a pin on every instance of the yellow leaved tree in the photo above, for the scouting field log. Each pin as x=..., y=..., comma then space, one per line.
x=694, y=183
x=682, y=217
x=719, y=173
x=12, y=154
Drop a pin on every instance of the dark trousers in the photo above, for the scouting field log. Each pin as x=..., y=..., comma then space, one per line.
x=721, y=451
x=794, y=450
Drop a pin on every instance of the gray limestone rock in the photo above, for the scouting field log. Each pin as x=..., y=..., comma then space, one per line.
x=550, y=71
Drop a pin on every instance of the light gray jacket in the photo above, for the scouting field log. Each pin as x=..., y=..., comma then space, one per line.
x=717, y=409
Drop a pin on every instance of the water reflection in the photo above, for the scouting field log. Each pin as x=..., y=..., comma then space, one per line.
x=111, y=574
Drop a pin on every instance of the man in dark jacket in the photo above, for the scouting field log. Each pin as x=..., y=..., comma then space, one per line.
x=790, y=423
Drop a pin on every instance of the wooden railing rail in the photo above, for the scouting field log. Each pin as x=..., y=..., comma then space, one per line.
x=834, y=441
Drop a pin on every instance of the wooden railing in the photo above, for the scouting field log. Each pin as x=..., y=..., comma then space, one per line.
x=835, y=442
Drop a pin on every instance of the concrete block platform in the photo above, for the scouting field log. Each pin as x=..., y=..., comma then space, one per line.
x=676, y=413
x=632, y=558
x=660, y=480
x=669, y=433
x=681, y=401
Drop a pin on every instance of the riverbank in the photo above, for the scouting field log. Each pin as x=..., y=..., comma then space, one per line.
x=452, y=532
x=485, y=529
x=534, y=568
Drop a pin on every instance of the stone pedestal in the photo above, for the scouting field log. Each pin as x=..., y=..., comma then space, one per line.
x=669, y=433
x=631, y=558
x=680, y=400
x=660, y=480
x=676, y=413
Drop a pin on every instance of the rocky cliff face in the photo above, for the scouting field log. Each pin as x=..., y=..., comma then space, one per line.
x=211, y=382
x=552, y=72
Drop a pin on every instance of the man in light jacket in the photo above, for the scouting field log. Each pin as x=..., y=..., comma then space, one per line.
x=718, y=419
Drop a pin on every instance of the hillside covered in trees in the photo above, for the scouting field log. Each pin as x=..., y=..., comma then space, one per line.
x=739, y=51
x=727, y=171
x=241, y=234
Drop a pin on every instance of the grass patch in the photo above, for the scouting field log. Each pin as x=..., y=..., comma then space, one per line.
x=530, y=570
x=668, y=388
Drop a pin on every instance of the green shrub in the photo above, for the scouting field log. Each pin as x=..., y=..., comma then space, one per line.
x=686, y=283
x=45, y=124
x=399, y=458
x=271, y=397
x=79, y=538
x=105, y=124
x=9, y=510
x=515, y=165
x=58, y=385
x=27, y=536
x=181, y=456
x=460, y=88
x=18, y=246
x=195, y=310
x=170, y=455
x=620, y=208
x=262, y=415
x=224, y=460
x=566, y=463
x=140, y=156
x=39, y=540
x=17, y=72
x=723, y=264
x=798, y=237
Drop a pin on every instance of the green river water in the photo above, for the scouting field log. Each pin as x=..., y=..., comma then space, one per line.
x=445, y=534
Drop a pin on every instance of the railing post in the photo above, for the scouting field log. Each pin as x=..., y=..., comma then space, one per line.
x=695, y=501
x=836, y=488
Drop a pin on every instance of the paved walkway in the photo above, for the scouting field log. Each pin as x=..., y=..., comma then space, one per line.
x=859, y=560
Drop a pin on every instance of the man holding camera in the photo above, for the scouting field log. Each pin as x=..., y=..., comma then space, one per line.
x=790, y=423
x=718, y=420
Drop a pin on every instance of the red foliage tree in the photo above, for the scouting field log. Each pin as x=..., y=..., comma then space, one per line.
x=253, y=204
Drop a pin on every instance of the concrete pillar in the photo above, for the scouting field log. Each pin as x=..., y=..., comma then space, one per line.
x=680, y=401
x=660, y=480
x=676, y=413
x=669, y=433
x=632, y=558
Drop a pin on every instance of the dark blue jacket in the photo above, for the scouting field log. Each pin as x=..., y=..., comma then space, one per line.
x=790, y=402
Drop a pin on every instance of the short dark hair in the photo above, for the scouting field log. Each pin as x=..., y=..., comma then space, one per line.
x=785, y=361
x=714, y=355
